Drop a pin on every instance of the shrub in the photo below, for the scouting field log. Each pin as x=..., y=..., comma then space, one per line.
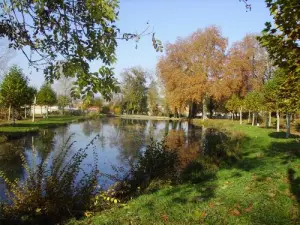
x=156, y=162
x=105, y=109
x=51, y=194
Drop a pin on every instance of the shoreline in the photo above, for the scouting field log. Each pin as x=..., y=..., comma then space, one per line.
x=147, y=117
x=22, y=128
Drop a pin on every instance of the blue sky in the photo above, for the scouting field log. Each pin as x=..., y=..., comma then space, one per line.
x=171, y=19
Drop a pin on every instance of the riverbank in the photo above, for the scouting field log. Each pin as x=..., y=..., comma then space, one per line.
x=261, y=188
x=11, y=131
x=146, y=117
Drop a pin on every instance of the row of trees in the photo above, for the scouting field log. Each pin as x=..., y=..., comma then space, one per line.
x=199, y=71
x=17, y=95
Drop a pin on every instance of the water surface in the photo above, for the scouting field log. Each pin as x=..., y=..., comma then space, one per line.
x=118, y=143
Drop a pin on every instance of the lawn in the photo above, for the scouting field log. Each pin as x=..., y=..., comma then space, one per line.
x=24, y=126
x=262, y=188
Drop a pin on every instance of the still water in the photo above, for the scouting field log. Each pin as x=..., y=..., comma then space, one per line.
x=118, y=143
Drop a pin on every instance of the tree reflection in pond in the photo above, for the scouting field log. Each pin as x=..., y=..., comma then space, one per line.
x=120, y=142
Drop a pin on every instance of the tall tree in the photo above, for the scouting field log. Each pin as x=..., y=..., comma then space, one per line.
x=14, y=89
x=282, y=42
x=153, y=98
x=46, y=96
x=134, y=90
x=191, y=67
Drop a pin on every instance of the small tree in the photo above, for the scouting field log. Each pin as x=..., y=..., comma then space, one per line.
x=253, y=102
x=46, y=97
x=14, y=89
x=63, y=101
x=235, y=104
x=29, y=98
x=271, y=97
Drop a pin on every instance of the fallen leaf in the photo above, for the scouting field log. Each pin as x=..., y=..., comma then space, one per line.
x=249, y=209
x=235, y=212
x=165, y=217
x=203, y=214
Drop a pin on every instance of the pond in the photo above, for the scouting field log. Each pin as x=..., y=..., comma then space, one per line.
x=118, y=143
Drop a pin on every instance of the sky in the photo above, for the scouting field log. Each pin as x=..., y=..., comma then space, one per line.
x=170, y=19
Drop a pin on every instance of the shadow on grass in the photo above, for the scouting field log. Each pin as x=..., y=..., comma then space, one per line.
x=294, y=184
x=288, y=151
x=282, y=135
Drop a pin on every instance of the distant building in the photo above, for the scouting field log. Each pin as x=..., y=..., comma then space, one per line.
x=40, y=110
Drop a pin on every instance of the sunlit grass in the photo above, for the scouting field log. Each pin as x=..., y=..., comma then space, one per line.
x=24, y=126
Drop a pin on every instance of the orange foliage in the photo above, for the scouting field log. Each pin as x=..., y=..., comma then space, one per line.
x=191, y=66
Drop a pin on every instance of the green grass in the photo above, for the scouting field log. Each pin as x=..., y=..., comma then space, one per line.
x=262, y=188
x=25, y=126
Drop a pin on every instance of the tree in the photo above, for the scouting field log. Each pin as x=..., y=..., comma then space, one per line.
x=29, y=98
x=253, y=102
x=191, y=68
x=235, y=104
x=134, y=90
x=46, y=96
x=153, y=98
x=64, y=87
x=282, y=44
x=63, y=101
x=14, y=89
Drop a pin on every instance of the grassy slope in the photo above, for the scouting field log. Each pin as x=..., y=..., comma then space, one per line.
x=257, y=190
x=29, y=126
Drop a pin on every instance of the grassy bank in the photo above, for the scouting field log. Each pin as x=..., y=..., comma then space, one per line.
x=262, y=188
x=27, y=126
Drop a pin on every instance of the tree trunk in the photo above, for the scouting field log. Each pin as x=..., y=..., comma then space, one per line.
x=232, y=116
x=204, y=111
x=253, y=118
x=47, y=112
x=25, y=113
x=278, y=121
x=33, y=113
x=9, y=112
x=41, y=110
x=288, y=125
x=14, y=117
x=249, y=117
x=267, y=120
x=176, y=112
x=270, y=119
x=241, y=115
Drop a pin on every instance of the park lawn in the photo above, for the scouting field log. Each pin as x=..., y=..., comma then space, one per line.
x=24, y=126
x=256, y=190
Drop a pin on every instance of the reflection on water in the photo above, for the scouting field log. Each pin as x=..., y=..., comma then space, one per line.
x=119, y=142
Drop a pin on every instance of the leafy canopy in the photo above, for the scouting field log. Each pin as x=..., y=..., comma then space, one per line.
x=46, y=95
x=64, y=36
x=14, y=88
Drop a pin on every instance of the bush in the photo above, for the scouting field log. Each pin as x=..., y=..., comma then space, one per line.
x=105, y=109
x=155, y=163
x=74, y=113
x=50, y=195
